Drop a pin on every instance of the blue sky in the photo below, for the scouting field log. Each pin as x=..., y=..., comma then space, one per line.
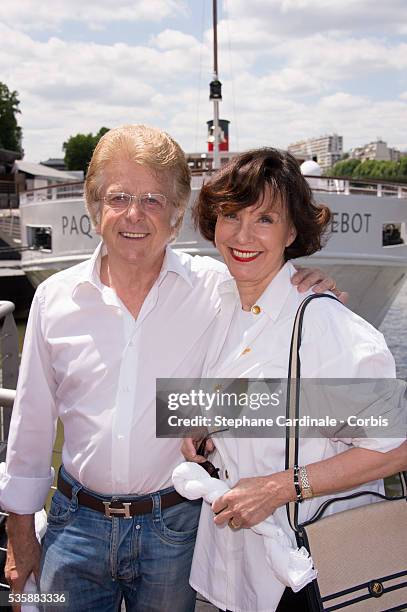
x=291, y=69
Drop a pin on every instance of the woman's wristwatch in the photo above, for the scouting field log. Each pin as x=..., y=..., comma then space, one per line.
x=306, y=488
x=302, y=485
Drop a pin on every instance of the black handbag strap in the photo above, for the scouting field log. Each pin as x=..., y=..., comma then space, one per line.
x=321, y=510
x=293, y=398
x=293, y=414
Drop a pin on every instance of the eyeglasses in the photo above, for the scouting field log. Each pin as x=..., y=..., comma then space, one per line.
x=208, y=465
x=148, y=202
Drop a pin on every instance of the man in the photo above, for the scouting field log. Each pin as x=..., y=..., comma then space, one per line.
x=98, y=336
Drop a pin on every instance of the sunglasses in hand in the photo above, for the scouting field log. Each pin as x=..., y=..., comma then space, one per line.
x=207, y=465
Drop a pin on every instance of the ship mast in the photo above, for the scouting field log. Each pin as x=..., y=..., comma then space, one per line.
x=215, y=89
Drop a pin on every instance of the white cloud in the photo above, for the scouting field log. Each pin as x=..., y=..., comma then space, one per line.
x=110, y=85
x=283, y=122
x=173, y=39
x=291, y=79
x=246, y=33
x=304, y=17
x=336, y=54
x=342, y=101
x=48, y=14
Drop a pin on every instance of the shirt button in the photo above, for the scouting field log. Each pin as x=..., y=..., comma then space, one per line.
x=120, y=437
x=255, y=309
x=138, y=526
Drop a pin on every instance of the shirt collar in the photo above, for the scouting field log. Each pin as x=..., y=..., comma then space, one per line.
x=172, y=263
x=273, y=298
x=90, y=274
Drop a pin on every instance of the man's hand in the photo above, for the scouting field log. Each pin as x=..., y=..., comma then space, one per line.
x=23, y=552
x=318, y=281
x=254, y=499
x=189, y=448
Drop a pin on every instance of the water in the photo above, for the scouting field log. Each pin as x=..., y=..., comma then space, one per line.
x=394, y=328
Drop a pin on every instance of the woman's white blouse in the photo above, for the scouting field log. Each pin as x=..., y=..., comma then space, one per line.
x=229, y=567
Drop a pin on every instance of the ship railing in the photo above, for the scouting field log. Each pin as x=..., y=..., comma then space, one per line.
x=59, y=191
x=327, y=184
x=8, y=194
x=351, y=186
x=9, y=213
x=345, y=185
x=10, y=223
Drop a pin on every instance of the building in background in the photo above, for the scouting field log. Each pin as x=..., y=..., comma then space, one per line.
x=377, y=150
x=8, y=188
x=58, y=163
x=32, y=176
x=325, y=150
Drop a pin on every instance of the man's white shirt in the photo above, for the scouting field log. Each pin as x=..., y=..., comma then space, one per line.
x=87, y=361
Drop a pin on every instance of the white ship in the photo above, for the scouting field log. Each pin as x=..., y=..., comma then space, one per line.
x=366, y=252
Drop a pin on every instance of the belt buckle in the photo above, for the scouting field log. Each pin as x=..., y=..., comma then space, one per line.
x=109, y=512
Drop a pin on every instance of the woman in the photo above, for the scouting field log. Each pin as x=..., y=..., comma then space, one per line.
x=259, y=212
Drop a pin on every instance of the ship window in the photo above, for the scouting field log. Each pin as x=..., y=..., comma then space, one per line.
x=39, y=237
x=394, y=234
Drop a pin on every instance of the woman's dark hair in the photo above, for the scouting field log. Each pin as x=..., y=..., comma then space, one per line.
x=241, y=183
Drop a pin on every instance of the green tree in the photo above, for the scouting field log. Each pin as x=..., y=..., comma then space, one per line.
x=368, y=169
x=402, y=169
x=371, y=169
x=100, y=133
x=10, y=131
x=79, y=149
x=347, y=167
x=388, y=170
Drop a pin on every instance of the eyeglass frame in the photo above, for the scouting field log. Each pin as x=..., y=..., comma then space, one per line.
x=133, y=197
x=208, y=465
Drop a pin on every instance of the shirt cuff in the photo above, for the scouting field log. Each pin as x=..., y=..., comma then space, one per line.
x=23, y=495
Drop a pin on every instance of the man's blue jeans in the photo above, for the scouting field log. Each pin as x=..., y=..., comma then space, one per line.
x=97, y=560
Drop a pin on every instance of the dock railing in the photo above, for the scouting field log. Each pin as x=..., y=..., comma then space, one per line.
x=9, y=361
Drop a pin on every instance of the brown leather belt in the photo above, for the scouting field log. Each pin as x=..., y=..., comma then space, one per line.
x=112, y=506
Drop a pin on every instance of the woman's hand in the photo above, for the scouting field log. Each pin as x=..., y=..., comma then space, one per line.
x=318, y=281
x=254, y=499
x=190, y=445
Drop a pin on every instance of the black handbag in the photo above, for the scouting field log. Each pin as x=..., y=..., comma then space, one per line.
x=360, y=553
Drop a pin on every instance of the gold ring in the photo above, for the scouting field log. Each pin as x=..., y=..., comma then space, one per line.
x=233, y=525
